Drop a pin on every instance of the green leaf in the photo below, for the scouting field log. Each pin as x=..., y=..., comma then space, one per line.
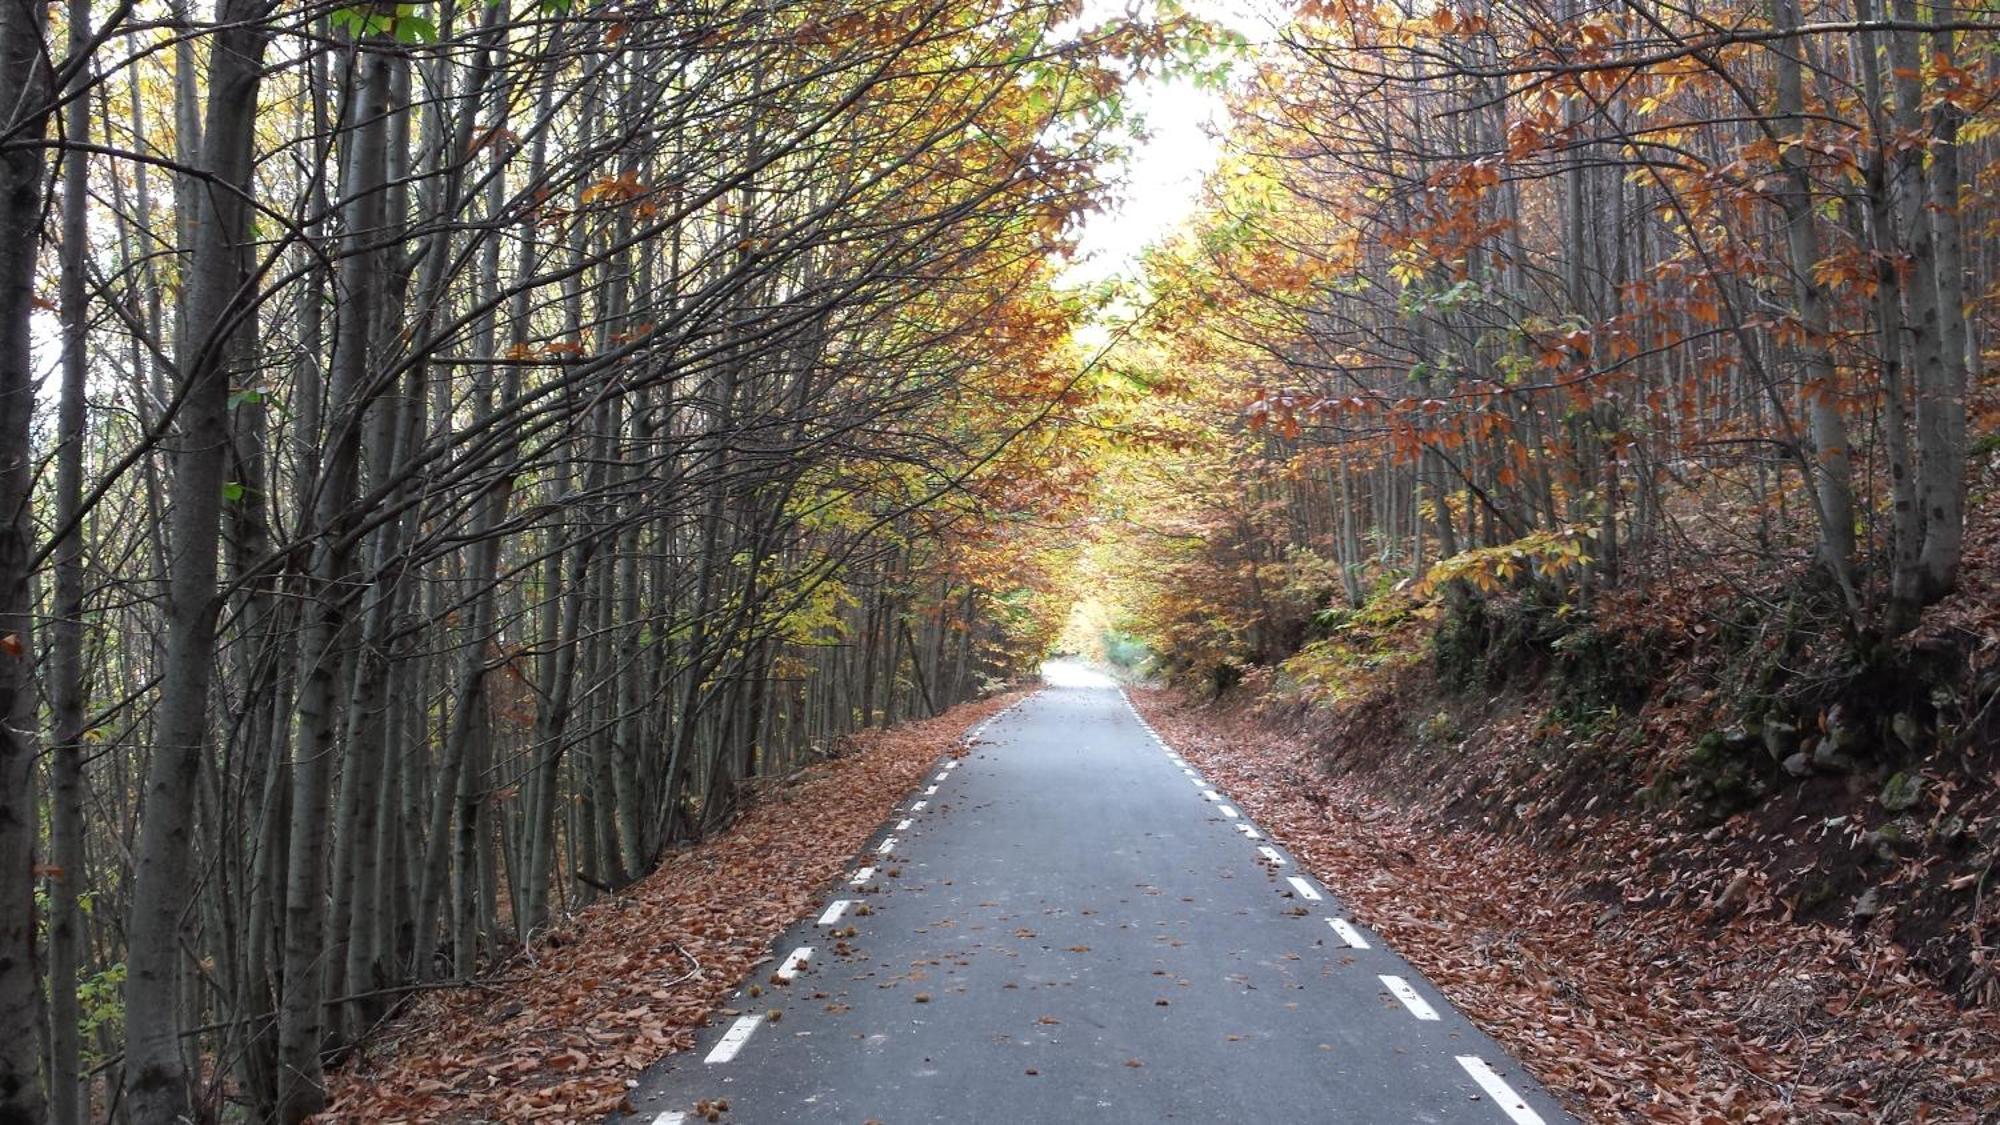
x=233, y=492
x=415, y=29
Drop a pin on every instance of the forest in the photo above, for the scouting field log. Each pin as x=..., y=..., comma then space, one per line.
x=453, y=453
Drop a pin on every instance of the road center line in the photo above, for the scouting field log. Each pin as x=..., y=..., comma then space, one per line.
x=733, y=1039
x=1401, y=990
x=1305, y=890
x=1496, y=1088
x=834, y=911
x=1348, y=933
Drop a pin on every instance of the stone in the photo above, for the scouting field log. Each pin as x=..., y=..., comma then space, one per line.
x=1826, y=756
x=1781, y=740
x=1848, y=740
x=1901, y=792
x=1904, y=727
x=1868, y=905
x=1798, y=764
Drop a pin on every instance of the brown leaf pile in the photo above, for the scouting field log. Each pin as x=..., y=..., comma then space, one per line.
x=627, y=980
x=1629, y=1010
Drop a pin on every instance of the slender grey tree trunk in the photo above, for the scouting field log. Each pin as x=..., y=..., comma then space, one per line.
x=67, y=691
x=24, y=105
x=156, y=1076
x=322, y=656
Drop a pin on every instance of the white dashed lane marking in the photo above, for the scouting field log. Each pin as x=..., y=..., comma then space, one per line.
x=1250, y=832
x=904, y=825
x=1271, y=854
x=1401, y=990
x=1348, y=933
x=861, y=876
x=834, y=911
x=733, y=1039
x=671, y=1117
x=918, y=806
x=1305, y=890
x=1227, y=810
x=931, y=791
x=1496, y=1088
x=794, y=963
x=886, y=846
x=1210, y=794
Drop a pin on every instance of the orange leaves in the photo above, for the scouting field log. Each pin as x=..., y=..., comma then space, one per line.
x=613, y=189
x=546, y=350
x=493, y=138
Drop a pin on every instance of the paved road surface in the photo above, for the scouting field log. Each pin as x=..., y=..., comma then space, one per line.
x=1069, y=925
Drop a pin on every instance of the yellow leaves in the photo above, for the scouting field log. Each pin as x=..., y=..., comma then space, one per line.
x=1543, y=554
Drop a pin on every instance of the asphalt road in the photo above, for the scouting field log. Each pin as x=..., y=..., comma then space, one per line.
x=1069, y=925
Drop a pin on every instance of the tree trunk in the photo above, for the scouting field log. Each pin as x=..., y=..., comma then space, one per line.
x=25, y=105
x=156, y=1076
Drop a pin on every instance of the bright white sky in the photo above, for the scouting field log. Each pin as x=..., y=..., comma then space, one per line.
x=1160, y=183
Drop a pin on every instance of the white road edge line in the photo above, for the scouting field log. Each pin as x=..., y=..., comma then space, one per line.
x=861, y=876
x=1401, y=990
x=795, y=962
x=1496, y=1088
x=671, y=1117
x=1304, y=888
x=733, y=1039
x=1271, y=854
x=940, y=778
x=1210, y=794
x=834, y=911
x=904, y=825
x=918, y=806
x=1227, y=810
x=1348, y=933
x=930, y=791
x=1250, y=832
x=886, y=846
